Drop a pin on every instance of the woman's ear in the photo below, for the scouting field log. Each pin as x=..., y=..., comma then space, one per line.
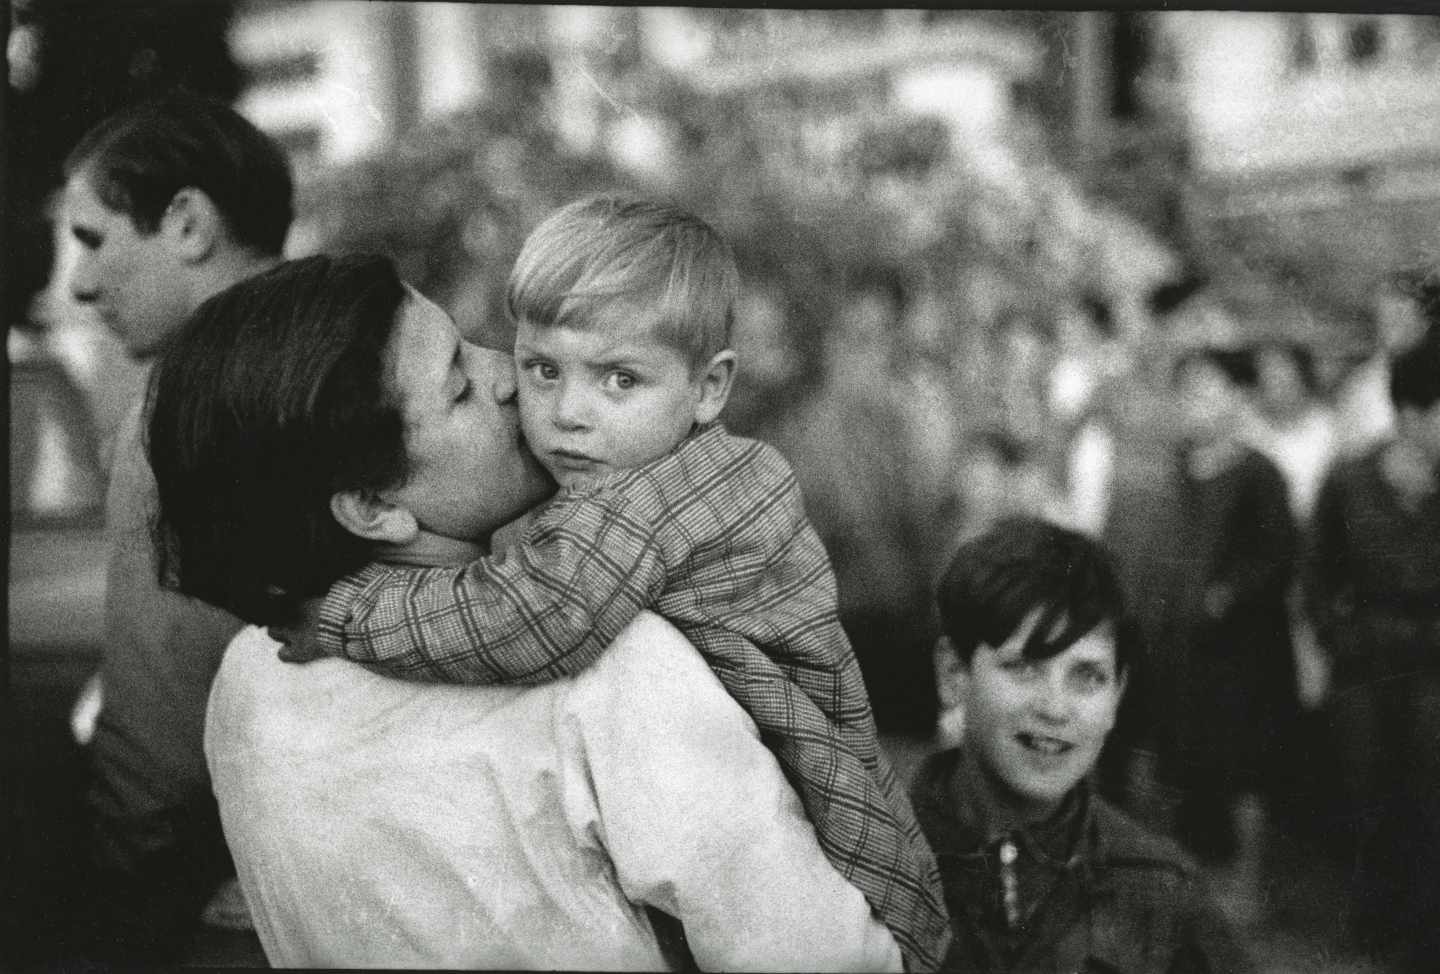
x=193, y=224
x=365, y=515
x=715, y=383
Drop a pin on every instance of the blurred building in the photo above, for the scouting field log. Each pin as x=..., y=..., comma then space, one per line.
x=1308, y=140
x=836, y=105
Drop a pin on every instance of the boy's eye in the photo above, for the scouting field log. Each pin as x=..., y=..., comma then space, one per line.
x=89, y=239
x=1091, y=678
x=1020, y=667
x=621, y=380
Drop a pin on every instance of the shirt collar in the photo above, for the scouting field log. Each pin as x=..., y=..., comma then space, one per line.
x=956, y=800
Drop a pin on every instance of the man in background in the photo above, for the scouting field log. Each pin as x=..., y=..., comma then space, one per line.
x=1373, y=591
x=165, y=204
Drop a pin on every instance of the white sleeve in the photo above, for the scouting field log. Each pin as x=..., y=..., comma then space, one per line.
x=700, y=822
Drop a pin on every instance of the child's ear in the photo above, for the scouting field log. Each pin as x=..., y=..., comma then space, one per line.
x=365, y=515
x=952, y=677
x=715, y=383
x=193, y=224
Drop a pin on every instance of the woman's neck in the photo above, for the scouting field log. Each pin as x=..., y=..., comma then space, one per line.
x=429, y=550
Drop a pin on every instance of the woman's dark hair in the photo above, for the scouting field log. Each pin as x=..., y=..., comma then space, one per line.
x=139, y=158
x=270, y=399
x=1023, y=563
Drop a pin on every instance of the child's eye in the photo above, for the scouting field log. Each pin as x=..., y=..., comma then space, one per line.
x=545, y=371
x=622, y=380
x=1022, y=667
x=1091, y=678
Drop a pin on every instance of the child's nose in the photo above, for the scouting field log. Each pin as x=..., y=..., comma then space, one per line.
x=571, y=407
x=1051, y=700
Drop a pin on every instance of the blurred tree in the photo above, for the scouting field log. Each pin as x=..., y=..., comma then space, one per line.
x=84, y=59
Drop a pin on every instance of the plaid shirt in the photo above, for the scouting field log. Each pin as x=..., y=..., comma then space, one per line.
x=713, y=537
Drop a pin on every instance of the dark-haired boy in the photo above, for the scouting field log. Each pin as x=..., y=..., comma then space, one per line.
x=1040, y=873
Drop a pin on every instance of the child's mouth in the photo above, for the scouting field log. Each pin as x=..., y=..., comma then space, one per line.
x=574, y=462
x=1041, y=744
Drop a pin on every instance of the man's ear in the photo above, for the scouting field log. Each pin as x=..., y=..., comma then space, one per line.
x=366, y=515
x=715, y=383
x=193, y=224
x=952, y=676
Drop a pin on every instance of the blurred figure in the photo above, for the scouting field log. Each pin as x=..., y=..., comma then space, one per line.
x=1000, y=476
x=1223, y=672
x=1294, y=428
x=167, y=202
x=1024, y=355
x=1373, y=586
x=1041, y=874
x=851, y=445
x=1364, y=414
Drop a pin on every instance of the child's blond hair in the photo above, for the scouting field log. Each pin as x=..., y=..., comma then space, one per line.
x=617, y=259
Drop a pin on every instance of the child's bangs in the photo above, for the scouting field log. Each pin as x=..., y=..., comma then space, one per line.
x=1057, y=629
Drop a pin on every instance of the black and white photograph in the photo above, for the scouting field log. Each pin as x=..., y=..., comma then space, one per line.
x=553, y=486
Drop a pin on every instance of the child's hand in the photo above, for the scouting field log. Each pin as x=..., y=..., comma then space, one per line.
x=299, y=641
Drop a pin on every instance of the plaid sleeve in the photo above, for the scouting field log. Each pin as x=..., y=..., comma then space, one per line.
x=547, y=608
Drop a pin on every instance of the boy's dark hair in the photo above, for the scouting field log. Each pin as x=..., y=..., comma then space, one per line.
x=1415, y=375
x=138, y=159
x=1023, y=563
x=272, y=397
x=618, y=258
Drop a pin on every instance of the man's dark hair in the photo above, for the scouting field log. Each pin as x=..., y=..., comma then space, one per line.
x=1415, y=375
x=1021, y=564
x=139, y=158
x=271, y=398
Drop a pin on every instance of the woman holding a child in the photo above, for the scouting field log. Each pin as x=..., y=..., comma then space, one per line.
x=323, y=416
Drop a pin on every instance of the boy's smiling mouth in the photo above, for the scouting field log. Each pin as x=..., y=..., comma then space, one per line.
x=1043, y=744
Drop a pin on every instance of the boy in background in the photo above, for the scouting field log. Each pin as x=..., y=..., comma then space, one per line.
x=1040, y=873
x=623, y=310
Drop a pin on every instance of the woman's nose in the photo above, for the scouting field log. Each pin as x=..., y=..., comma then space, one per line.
x=489, y=370
x=505, y=388
x=83, y=280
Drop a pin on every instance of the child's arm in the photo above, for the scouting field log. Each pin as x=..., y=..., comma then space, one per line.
x=546, y=608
